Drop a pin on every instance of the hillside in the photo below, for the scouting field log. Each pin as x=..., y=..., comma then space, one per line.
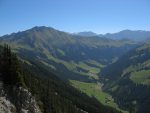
x=52, y=95
x=76, y=57
x=67, y=56
x=128, y=79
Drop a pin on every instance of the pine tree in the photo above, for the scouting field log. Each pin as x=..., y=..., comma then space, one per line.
x=10, y=68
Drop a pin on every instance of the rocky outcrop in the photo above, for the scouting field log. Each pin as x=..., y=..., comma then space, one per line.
x=25, y=102
x=22, y=101
x=6, y=106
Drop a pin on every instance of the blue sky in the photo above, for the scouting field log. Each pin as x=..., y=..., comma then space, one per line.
x=99, y=16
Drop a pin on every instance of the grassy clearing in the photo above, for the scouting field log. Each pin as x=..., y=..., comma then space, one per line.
x=94, y=89
x=88, y=68
x=95, y=63
x=141, y=77
x=47, y=64
x=90, y=71
x=61, y=52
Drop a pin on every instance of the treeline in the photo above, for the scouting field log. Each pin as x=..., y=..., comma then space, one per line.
x=52, y=95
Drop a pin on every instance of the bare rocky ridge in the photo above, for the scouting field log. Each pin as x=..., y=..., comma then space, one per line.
x=25, y=102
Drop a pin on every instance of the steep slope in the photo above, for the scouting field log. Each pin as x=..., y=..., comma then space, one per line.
x=128, y=79
x=14, y=98
x=73, y=56
x=51, y=94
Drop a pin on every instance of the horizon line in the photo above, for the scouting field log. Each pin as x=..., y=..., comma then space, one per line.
x=17, y=31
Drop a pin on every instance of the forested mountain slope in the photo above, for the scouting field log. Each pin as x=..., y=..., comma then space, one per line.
x=52, y=94
x=73, y=58
x=128, y=79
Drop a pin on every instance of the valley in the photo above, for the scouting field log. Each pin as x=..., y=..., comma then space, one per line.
x=94, y=90
x=74, y=56
x=96, y=66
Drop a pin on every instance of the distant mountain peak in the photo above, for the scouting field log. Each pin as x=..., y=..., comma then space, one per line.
x=86, y=33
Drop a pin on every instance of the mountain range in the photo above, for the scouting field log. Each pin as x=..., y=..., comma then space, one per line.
x=135, y=35
x=104, y=67
x=60, y=50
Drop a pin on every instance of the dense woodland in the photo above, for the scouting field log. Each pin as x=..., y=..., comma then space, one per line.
x=52, y=95
x=131, y=94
